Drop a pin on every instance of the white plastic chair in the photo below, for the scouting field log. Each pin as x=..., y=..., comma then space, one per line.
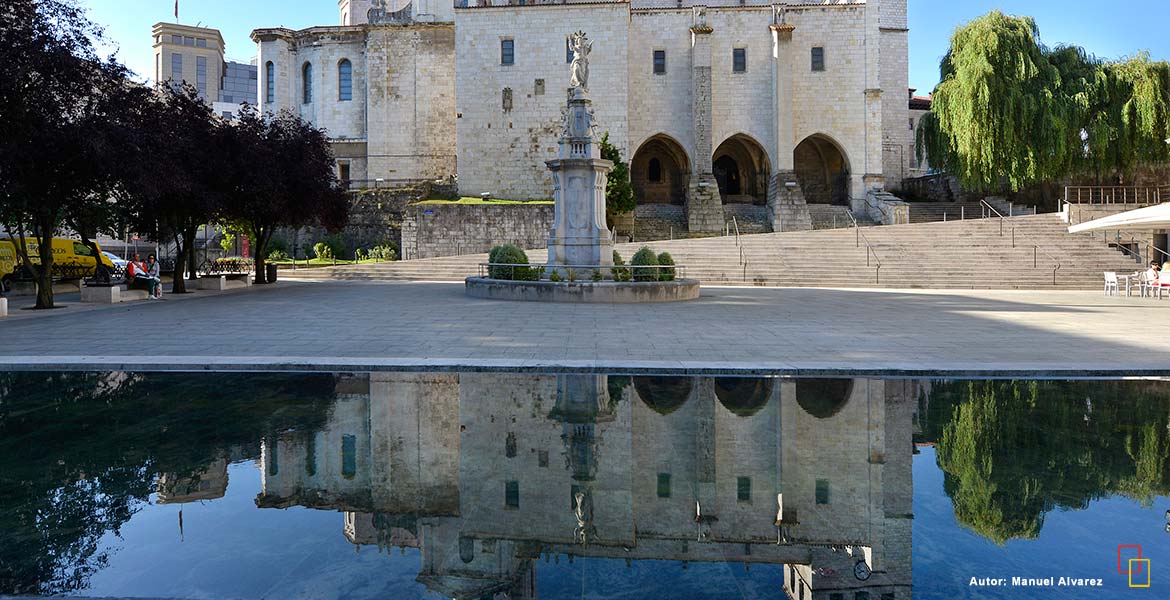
x=1163, y=282
x=1110, y=283
x=1147, y=282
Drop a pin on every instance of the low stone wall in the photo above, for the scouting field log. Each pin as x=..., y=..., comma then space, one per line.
x=430, y=230
x=604, y=292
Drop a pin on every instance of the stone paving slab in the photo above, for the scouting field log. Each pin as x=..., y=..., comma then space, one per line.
x=352, y=326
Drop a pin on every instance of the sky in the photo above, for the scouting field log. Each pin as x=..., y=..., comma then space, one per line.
x=1107, y=29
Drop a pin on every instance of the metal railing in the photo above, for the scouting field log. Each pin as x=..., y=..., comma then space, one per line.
x=858, y=236
x=1147, y=255
x=1103, y=194
x=535, y=272
x=1036, y=250
x=743, y=259
x=227, y=266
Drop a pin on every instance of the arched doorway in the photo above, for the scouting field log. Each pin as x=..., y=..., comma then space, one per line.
x=822, y=397
x=659, y=171
x=741, y=168
x=663, y=395
x=743, y=396
x=823, y=171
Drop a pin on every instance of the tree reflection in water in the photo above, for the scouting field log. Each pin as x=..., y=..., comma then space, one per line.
x=80, y=452
x=1012, y=451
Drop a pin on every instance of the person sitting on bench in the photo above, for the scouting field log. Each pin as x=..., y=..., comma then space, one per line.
x=139, y=275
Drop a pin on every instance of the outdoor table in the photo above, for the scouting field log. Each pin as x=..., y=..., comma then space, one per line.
x=1129, y=279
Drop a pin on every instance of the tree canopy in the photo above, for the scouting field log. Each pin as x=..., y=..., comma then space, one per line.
x=619, y=193
x=1010, y=110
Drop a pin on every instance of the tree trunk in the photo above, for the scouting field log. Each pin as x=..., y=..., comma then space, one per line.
x=183, y=245
x=44, y=273
x=189, y=234
x=260, y=240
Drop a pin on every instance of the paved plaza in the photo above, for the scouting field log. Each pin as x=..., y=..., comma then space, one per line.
x=417, y=326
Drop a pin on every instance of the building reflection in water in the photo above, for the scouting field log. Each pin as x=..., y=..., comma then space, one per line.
x=488, y=473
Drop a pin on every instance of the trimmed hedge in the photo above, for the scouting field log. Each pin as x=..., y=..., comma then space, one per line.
x=645, y=257
x=511, y=254
x=666, y=274
x=619, y=274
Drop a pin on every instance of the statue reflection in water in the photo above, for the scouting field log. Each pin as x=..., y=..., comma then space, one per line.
x=487, y=473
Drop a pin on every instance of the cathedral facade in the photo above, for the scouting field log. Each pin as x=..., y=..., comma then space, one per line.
x=735, y=102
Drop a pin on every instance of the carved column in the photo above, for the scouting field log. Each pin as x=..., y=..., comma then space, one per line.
x=786, y=205
x=704, y=205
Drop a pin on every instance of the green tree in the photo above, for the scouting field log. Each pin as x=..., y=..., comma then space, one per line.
x=619, y=193
x=1009, y=110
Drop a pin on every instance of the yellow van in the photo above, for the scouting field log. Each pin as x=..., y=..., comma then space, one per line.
x=66, y=252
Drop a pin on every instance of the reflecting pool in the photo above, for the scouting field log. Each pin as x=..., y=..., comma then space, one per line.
x=517, y=486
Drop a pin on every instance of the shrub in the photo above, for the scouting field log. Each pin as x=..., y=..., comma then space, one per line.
x=278, y=255
x=619, y=274
x=384, y=252
x=510, y=254
x=596, y=275
x=336, y=245
x=322, y=251
x=666, y=274
x=555, y=276
x=279, y=244
x=645, y=257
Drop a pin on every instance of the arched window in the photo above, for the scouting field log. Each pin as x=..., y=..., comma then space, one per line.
x=654, y=171
x=344, y=80
x=307, y=83
x=269, y=82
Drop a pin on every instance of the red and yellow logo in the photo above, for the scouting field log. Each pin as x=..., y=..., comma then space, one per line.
x=1135, y=568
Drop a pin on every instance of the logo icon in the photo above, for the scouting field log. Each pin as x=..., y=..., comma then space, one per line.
x=1135, y=568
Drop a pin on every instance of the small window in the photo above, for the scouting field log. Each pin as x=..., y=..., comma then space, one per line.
x=177, y=39
x=743, y=489
x=273, y=464
x=818, y=59
x=227, y=114
x=344, y=80
x=348, y=456
x=512, y=494
x=568, y=51
x=542, y=458
x=654, y=170
x=307, y=83
x=269, y=82
x=510, y=445
x=188, y=41
x=538, y=87
x=200, y=43
x=664, y=485
x=911, y=123
x=739, y=60
x=659, y=62
x=506, y=98
x=507, y=52
x=822, y=491
x=177, y=67
x=343, y=171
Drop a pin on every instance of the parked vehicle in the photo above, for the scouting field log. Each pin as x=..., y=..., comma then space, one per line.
x=71, y=259
x=119, y=262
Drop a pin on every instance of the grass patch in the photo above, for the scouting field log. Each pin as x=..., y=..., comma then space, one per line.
x=323, y=262
x=477, y=201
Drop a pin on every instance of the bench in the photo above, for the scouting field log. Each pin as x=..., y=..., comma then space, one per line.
x=226, y=274
x=112, y=294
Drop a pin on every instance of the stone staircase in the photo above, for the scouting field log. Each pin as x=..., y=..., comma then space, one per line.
x=828, y=216
x=930, y=212
x=970, y=254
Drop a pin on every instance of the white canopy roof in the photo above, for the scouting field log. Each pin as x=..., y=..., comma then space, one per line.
x=1150, y=217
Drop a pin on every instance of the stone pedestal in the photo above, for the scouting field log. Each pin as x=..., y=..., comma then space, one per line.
x=3, y=307
x=704, y=204
x=101, y=294
x=786, y=205
x=213, y=282
x=579, y=234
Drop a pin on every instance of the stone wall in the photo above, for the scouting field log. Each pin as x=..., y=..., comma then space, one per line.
x=509, y=116
x=430, y=230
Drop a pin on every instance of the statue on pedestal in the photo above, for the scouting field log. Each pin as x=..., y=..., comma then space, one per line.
x=579, y=70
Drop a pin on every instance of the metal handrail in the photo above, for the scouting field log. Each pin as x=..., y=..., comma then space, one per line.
x=989, y=209
x=857, y=237
x=1115, y=194
x=743, y=260
x=1132, y=240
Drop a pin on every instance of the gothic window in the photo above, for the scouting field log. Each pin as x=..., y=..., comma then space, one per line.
x=743, y=489
x=307, y=83
x=822, y=491
x=512, y=494
x=654, y=170
x=507, y=52
x=659, y=62
x=818, y=59
x=739, y=60
x=345, y=80
x=269, y=82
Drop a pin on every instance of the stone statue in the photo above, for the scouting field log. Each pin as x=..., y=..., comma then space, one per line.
x=579, y=70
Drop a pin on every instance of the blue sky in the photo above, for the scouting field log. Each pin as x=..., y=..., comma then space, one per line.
x=1107, y=29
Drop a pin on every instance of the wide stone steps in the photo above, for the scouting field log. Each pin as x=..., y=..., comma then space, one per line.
x=930, y=212
x=956, y=254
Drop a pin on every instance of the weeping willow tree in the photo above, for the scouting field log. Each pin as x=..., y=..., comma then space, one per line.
x=1009, y=110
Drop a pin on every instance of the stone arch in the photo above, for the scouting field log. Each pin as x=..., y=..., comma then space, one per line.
x=744, y=396
x=660, y=171
x=822, y=167
x=664, y=395
x=823, y=397
x=741, y=167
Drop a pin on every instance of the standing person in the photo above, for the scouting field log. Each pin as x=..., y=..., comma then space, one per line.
x=154, y=270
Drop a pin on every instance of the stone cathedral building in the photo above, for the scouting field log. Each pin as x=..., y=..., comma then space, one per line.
x=729, y=102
